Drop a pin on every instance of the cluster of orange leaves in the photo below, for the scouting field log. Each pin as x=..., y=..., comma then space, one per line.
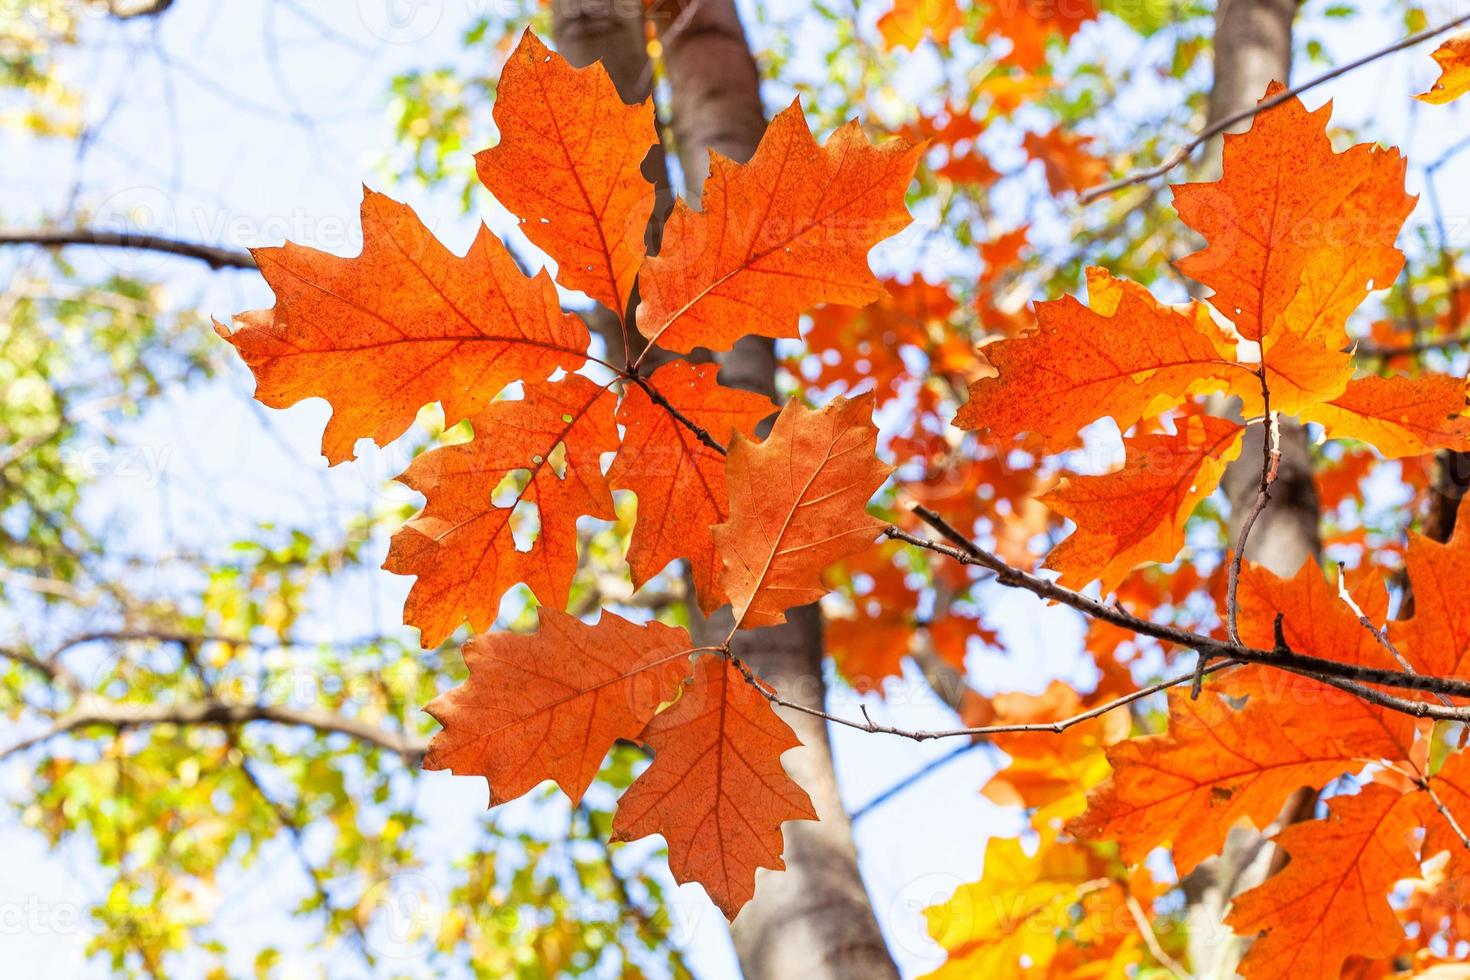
x=1029, y=25
x=407, y=323
x=1296, y=235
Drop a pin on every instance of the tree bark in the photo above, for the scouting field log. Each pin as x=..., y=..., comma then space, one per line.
x=1252, y=49
x=814, y=920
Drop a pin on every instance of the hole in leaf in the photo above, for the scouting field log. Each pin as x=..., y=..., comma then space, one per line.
x=558, y=461
x=508, y=491
x=525, y=524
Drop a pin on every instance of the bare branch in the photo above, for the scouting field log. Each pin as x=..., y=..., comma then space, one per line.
x=91, y=711
x=214, y=256
x=1183, y=153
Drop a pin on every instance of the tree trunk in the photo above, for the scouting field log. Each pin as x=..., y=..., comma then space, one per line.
x=1252, y=49
x=814, y=920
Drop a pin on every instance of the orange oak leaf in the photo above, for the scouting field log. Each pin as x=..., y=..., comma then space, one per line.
x=1128, y=356
x=1436, y=638
x=462, y=544
x=1331, y=901
x=797, y=504
x=1316, y=621
x=1068, y=165
x=955, y=134
x=1452, y=785
x=1296, y=236
x=404, y=324
x=1016, y=919
x=716, y=789
x=1399, y=416
x=1031, y=24
x=909, y=21
x=680, y=481
x=778, y=235
x=1137, y=514
x=1214, y=767
x=1051, y=773
x=550, y=704
x=870, y=647
x=567, y=165
x=1453, y=58
x=852, y=346
x=1003, y=252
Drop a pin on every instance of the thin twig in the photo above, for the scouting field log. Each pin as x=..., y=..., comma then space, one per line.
x=1183, y=153
x=1449, y=817
x=657, y=398
x=1151, y=940
x=1381, y=635
x=1270, y=466
x=920, y=735
x=928, y=768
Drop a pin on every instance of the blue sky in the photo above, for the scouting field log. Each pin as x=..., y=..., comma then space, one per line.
x=244, y=123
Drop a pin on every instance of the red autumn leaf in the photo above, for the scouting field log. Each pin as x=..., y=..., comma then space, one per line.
x=404, y=324
x=778, y=235
x=1278, y=224
x=909, y=21
x=855, y=346
x=716, y=789
x=1436, y=639
x=1215, y=767
x=1137, y=514
x=1064, y=157
x=1125, y=357
x=568, y=165
x=462, y=544
x=1031, y=24
x=680, y=481
x=550, y=704
x=797, y=504
x=1453, y=58
x=1331, y=901
x=1399, y=416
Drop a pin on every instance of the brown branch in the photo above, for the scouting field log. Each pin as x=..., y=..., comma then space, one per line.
x=46, y=667
x=215, y=712
x=967, y=552
x=214, y=256
x=1407, y=350
x=657, y=398
x=1209, y=132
